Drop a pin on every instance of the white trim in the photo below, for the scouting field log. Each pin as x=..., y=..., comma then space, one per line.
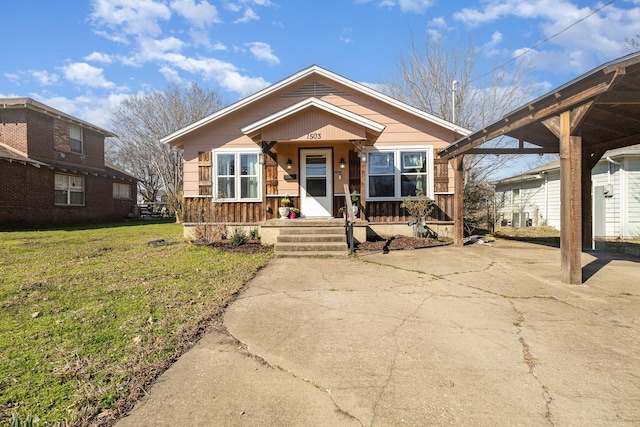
x=214, y=175
x=397, y=150
x=318, y=103
x=314, y=69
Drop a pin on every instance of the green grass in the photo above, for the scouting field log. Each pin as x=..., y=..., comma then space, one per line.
x=90, y=317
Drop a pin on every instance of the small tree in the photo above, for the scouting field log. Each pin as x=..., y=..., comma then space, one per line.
x=419, y=207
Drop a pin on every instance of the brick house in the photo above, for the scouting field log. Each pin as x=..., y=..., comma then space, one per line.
x=53, y=171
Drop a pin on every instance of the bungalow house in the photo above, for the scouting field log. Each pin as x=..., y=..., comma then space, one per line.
x=53, y=171
x=317, y=137
x=533, y=198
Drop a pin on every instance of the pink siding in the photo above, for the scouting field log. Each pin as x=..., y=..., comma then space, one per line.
x=402, y=129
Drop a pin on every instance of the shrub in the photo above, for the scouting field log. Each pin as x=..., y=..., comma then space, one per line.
x=238, y=238
x=418, y=207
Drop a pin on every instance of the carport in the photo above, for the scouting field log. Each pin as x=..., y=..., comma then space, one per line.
x=580, y=120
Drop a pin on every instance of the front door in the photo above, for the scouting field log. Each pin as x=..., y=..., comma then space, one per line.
x=316, y=183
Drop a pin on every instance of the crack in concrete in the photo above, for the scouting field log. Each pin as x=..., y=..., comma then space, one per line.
x=531, y=361
x=242, y=349
x=395, y=358
x=434, y=276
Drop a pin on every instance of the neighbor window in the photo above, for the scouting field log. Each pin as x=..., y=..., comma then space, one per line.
x=75, y=139
x=69, y=190
x=237, y=176
x=399, y=173
x=121, y=191
x=515, y=197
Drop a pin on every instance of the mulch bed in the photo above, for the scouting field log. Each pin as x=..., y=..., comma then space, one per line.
x=396, y=243
x=249, y=248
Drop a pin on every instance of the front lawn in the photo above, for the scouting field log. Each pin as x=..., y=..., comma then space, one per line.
x=90, y=317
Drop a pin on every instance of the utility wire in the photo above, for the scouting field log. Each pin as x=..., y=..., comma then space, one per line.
x=543, y=41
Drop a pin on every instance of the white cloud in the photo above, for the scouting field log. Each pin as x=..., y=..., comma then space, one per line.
x=99, y=57
x=249, y=15
x=345, y=35
x=262, y=51
x=84, y=74
x=44, y=77
x=171, y=75
x=93, y=109
x=223, y=73
x=13, y=77
x=218, y=46
x=133, y=17
x=415, y=6
x=412, y=6
x=200, y=14
x=575, y=38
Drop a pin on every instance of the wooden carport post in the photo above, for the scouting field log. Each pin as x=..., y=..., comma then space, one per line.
x=458, y=201
x=570, y=202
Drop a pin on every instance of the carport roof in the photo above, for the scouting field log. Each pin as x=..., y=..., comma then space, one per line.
x=608, y=97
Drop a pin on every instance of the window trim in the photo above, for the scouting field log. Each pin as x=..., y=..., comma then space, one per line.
x=397, y=169
x=237, y=152
x=69, y=191
x=81, y=140
x=117, y=197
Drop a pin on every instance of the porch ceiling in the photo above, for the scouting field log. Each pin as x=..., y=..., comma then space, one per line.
x=605, y=104
x=357, y=126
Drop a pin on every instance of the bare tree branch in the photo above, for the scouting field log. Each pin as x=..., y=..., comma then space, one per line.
x=141, y=121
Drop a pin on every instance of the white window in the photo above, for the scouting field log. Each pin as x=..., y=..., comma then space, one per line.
x=396, y=174
x=69, y=190
x=237, y=176
x=75, y=139
x=121, y=191
x=515, y=197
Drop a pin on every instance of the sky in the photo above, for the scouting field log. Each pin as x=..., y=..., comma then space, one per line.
x=84, y=56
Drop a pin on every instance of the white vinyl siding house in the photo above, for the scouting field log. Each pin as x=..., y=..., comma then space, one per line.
x=615, y=190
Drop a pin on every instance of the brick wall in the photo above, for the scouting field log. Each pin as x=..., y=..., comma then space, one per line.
x=27, y=198
x=13, y=129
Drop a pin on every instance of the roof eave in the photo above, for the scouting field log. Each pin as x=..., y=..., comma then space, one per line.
x=314, y=69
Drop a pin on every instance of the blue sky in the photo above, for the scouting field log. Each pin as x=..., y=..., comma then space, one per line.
x=83, y=57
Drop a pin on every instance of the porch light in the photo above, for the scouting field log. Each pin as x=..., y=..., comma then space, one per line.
x=289, y=163
x=363, y=157
x=261, y=158
x=342, y=163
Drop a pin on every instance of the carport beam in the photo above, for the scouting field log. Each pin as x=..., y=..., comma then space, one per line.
x=570, y=203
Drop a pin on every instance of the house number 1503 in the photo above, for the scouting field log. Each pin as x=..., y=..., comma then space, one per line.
x=316, y=135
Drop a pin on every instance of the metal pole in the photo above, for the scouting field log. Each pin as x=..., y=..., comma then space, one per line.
x=453, y=101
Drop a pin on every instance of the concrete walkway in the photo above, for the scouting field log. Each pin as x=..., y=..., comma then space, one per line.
x=482, y=335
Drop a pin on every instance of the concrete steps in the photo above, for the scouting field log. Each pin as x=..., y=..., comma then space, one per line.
x=311, y=240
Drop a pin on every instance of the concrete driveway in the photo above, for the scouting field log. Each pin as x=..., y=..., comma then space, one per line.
x=481, y=335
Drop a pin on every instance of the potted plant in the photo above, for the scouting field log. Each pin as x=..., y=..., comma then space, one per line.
x=294, y=213
x=343, y=211
x=283, y=210
x=354, y=204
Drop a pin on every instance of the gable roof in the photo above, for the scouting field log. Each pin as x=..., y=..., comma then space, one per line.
x=313, y=70
x=311, y=103
x=32, y=104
